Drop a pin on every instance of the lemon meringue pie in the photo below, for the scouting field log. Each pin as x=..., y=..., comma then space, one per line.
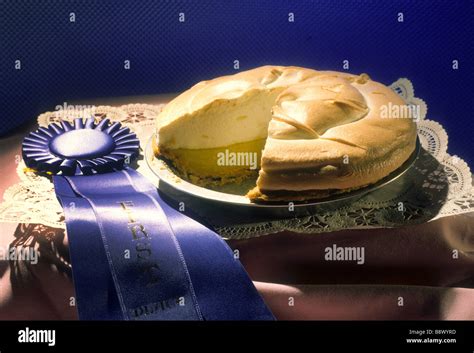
x=307, y=133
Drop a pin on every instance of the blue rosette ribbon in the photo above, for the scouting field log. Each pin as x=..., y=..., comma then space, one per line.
x=80, y=148
x=133, y=256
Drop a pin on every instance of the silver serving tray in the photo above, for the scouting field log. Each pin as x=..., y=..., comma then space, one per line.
x=234, y=195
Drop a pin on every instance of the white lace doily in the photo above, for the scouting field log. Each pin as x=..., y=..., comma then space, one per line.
x=438, y=184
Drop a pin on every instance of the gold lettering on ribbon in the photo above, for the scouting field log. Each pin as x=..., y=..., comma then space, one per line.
x=142, y=241
x=151, y=308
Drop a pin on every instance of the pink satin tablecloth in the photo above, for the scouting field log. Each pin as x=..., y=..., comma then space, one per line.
x=413, y=266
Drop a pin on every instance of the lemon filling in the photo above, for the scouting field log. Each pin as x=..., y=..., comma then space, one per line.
x=219, y=164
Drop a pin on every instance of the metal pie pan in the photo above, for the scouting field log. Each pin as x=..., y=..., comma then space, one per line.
x=234, y=195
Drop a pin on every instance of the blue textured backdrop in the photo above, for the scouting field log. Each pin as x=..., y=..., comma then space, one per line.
x=64, y=61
